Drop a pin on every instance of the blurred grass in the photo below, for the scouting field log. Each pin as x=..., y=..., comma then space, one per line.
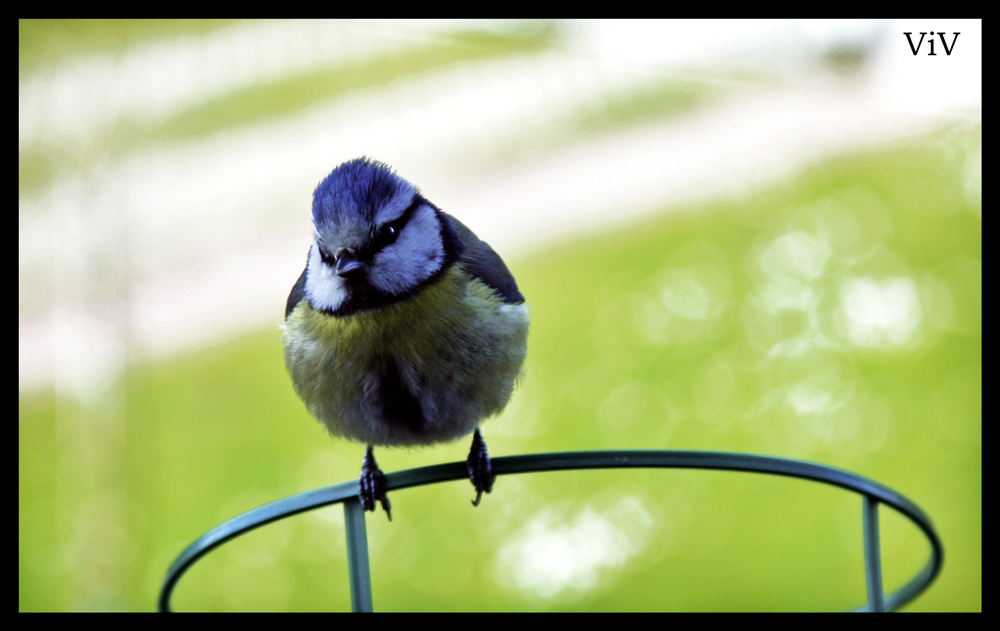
x=255, y=104
x=656, y=101
x=260, y=103
x=653, y=102
x=659, y=335
x=39, y=42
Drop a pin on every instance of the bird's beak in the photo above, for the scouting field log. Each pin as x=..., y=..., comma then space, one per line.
x=348, y=264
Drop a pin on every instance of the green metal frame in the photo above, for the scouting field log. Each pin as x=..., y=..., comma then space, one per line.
x=872, y=493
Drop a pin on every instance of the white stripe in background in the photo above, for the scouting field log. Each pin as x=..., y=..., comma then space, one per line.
x=150, y=82
x=218, y=229
x=205, y=223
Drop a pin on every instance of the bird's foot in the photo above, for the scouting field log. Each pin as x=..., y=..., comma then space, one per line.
x=372, y=483
x=480, y=470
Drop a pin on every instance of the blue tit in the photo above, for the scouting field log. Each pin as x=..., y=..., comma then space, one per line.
x=404, y=328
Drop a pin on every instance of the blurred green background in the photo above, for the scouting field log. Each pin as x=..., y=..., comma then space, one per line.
x=833, y=315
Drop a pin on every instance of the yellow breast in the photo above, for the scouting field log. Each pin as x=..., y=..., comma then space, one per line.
x=456, y=347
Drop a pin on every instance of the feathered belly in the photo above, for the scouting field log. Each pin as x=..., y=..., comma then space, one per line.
x=422, y=371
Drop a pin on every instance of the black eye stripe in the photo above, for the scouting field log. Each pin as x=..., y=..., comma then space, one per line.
x=389, y=232
x=404, y=219
x=327, y=258
x=386, y=235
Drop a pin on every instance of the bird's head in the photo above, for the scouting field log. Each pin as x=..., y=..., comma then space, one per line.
x=378, y=241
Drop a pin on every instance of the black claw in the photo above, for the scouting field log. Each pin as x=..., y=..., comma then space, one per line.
x=480, y=469
x=372, y=485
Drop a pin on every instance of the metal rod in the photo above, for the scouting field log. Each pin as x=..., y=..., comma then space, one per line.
x=357, y=556
x=873, y=555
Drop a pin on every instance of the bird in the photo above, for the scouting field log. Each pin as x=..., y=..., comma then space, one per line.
x=404, y=328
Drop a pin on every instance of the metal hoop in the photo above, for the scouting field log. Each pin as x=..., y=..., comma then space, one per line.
x=872, y=492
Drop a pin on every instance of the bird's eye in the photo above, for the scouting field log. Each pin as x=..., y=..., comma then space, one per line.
x=388, y=234
x=327, y=258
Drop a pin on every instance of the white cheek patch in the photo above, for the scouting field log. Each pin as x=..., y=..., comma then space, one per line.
x=416, y=256
x=324, y=289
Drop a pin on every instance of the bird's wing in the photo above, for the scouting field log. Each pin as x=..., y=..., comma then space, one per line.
x=298, y=293
x=479, y=259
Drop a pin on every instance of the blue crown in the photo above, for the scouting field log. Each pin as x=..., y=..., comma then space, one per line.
x=356, y=189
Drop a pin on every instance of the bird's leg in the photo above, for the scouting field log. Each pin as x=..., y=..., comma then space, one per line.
x=372, y=483
x=480, y=469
